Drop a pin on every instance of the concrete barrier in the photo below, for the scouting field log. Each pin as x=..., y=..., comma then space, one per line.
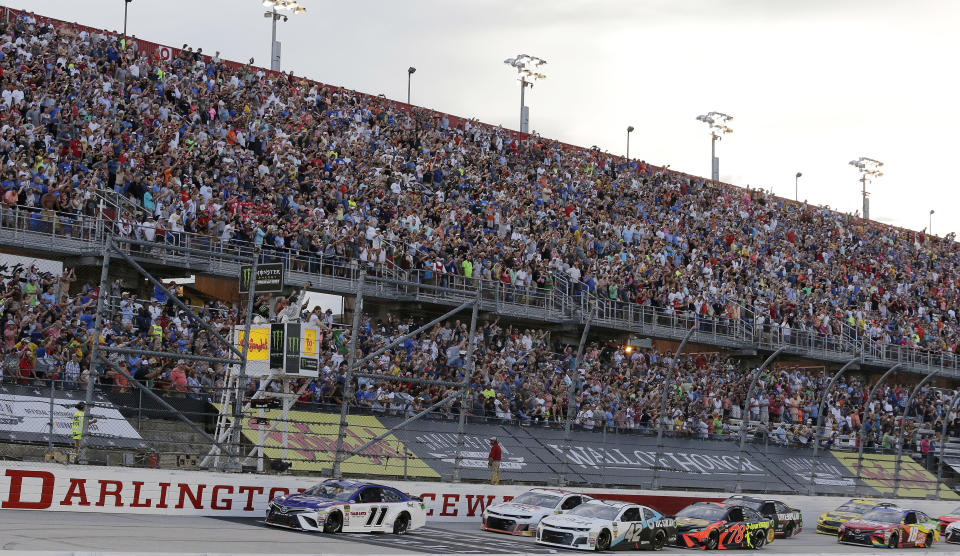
x=77, y=488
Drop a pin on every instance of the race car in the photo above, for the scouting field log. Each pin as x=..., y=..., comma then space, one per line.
x=946, y=519
x=608, y=525
x=521, y=515
x=711, y=525
x=891, y=527
x=830, y=522
x=952, y=533
x=787, y=521
x=345, y=506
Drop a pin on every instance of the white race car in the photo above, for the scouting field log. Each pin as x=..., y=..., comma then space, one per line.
x=608, y=525
x=521, y=515
x=350, y=507
x=952, y=533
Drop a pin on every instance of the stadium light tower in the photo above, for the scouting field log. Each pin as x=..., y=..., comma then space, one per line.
x=796, y=186
x=410, y=71
x=718, y=128
x=527, y=74
x=629, y=131
x=868, y=168
x=284, y=5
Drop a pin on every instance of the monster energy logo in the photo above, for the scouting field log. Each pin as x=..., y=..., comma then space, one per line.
x=267, y=278
x=293, y=345
x=277, y=338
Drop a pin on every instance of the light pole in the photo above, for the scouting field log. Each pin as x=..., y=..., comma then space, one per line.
x=629, y=131
x=718, y=128
x=930, y=227
x=527, y=66
x=796, y=187
x=125, y=4
x=868, y=168
x=289, y=5
x=410, y=71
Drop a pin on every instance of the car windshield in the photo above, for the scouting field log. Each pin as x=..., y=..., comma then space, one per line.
x=330, y=491
x=755, y=504
x=706, y=512
x=597, y=510
x=883, y=516
x=855, y=507
x=537, y=499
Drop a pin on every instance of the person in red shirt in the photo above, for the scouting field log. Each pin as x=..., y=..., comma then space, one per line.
x=493, y=461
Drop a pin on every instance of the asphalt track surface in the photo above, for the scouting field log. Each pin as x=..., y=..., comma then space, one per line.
x=73, y=533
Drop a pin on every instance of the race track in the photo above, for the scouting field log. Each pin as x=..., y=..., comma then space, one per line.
x=66, y=533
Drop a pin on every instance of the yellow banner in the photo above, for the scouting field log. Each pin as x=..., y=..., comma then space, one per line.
x=879, y=471
x=310, y=348
x=259, y=349
x=312, y=441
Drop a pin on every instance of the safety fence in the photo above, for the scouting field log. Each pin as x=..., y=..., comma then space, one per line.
x=130, y=429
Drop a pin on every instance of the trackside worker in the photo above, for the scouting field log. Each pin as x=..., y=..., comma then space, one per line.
x=77, y=428
x=493, y=461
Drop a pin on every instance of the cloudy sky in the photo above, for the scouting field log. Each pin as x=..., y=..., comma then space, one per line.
x=812, y=84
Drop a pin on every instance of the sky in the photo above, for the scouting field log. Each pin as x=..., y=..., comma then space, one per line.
x=811, y=84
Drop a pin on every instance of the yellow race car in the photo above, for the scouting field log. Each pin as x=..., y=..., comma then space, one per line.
x=829, y=522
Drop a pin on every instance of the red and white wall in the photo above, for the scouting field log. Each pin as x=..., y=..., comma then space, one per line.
x=74, y=488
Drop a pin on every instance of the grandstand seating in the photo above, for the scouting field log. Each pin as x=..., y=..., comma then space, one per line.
x=227, y=157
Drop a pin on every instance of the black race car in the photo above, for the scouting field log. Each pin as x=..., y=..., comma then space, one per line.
x=713, y=526
x=787, y=521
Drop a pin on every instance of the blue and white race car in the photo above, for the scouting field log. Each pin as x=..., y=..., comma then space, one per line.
x=608, y=525
x=349, y=507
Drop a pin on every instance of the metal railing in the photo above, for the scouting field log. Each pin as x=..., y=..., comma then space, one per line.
x=75, y=234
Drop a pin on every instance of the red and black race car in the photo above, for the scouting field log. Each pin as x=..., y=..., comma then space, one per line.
x=891, y=527
x=710, y=526
x=946, y=519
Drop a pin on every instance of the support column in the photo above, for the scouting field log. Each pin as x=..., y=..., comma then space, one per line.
x=863, y=421
x=903, y=422
x=81, y=455
x=465, y=388
x=348, y=378
x=814, y=465
x=655, y=482
x=745, y=420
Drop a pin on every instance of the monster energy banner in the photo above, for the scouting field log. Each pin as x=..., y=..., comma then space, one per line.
x=292, y=356
x=269, y=278
x=596, y=458
x=277, y=346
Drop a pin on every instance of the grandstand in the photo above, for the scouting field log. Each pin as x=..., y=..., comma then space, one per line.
x=191, y=166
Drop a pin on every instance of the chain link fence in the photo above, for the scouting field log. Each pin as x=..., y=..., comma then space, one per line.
x=132, y=429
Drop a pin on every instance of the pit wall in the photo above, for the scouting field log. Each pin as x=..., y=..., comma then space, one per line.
x=76, y=488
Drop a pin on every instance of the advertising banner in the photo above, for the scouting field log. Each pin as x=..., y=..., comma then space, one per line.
x=312, y=441
x=269, y=278
x=879, y=470
x=26, y=418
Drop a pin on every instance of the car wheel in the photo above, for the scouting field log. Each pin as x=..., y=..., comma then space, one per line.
x=334, y=523
x=603, y=541
x=402, y=524
x=659, y=540
x=759, y=539
x=712, y=541
x=928, y=542
x=788, y=531
x=893, y=542
x=771, y=534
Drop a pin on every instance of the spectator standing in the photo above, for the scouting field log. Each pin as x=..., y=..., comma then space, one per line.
x=493, y=461
x=76, y=429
